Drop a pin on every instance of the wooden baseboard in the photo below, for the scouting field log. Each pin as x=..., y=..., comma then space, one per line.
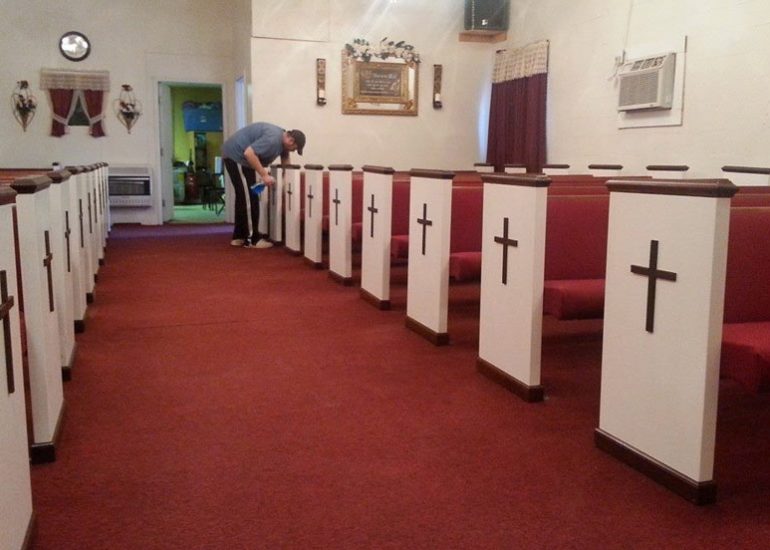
x=43, y=453
x=66, y=370
x=89, y=297
x=530, y=394
x=376, y=302
x=436, y=338
x=101, y=261
x=313, y=264
x=294, y=252
x=336, y=277
x=80, y=326
x=697, y=492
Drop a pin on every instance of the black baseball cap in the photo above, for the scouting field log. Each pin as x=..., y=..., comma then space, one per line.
x=299, y=139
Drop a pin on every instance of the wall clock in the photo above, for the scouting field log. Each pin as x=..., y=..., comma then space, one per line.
x=74, y=46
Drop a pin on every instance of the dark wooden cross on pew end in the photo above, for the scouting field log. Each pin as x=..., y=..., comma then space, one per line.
x=6, y=303
x=653, y=274
x=424, y=222
x=506, y=242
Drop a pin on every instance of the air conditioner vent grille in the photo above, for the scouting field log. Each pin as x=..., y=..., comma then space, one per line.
x=639, y=88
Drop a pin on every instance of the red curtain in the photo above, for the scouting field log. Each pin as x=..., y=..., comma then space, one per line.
x=61, y=100
x=517, y=123
x=94, y=107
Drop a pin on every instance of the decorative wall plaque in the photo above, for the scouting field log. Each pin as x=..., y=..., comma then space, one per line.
x=387, y=86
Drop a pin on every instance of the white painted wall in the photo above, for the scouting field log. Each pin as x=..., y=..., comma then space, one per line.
x=726, y=111
x=288, y=37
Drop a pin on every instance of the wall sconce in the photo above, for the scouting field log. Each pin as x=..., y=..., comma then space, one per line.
x=128, y=109
x=437, y=87
x=320, y=81
x=24, y=104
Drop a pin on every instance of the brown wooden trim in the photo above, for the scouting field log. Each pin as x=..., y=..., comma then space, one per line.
x=75, y=169
x=482, y=164
x=556, y=166
x=7, y=195
x=698, y=492
x=605, y=166
x=435, y=174
x=378, y=169
x=312, y=263
x=717, y=188
x=58, y=176
x=294, y=252
x=31, y=533
x=89, y=297
x=43, y=453
x=668, y=167
x=746, y=169
x=530, y=394
x=372, y=299
x=80, y=326
x=336, y=277
x=101, y=261
x=30, y=185
x=288, y=166
x=521, y=180
x=314, y=167
x=346, y=167
x=514, y=165
x=435, y=338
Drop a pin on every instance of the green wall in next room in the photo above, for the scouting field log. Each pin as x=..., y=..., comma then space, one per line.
x=184, y=141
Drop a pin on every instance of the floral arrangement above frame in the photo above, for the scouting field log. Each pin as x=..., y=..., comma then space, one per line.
x=387, y=86
x=361, y=50
x=24, y=104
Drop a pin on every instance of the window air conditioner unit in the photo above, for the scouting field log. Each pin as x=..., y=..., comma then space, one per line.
x=647, y=83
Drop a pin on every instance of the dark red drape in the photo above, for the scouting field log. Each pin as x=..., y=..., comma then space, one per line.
x=94, y=100
x=517, y=123
x=61, y=100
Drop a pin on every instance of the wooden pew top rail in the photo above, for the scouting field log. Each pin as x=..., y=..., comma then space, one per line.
x=746, y=169
x=345, y=167
x=668, y=167
x=31, y=184
x=7, y=195
x=533, y=180
x=693, y=188
x=378, y=169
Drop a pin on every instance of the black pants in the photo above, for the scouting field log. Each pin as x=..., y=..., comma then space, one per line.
x=246, y=204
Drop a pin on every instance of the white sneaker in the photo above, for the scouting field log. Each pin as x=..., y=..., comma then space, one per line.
x=237, y=242
x=262, y=243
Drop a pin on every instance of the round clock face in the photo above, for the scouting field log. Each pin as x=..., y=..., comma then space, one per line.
x=74, y=46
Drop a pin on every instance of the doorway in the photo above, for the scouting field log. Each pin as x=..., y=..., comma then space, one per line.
x=194, y=134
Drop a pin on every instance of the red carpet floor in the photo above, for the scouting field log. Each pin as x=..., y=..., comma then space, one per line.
x=230, y=398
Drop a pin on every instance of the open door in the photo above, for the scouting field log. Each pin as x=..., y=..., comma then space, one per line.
x=166, y=176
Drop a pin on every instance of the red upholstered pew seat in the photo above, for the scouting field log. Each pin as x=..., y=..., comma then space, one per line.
x=746, y=332
x=575, y=256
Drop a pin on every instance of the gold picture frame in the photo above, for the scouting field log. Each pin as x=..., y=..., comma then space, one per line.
x=387, y=87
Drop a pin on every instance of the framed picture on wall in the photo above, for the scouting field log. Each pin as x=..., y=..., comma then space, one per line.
x=387, y=87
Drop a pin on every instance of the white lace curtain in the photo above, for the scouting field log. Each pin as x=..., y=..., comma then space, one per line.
x=522, y=62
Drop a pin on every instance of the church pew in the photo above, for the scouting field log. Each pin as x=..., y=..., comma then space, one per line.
x=17, y=519
x=745, y=355
x=38, y=284
x=312, y=214
x=292, y=207
x=79, y=248
x=429, y=235
x=663, y=318
x=668, y=171
x=62, y=248
x=376, y=235
x=341, y=207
